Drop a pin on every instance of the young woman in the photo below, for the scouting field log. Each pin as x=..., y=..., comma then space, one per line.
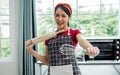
x=59, y=54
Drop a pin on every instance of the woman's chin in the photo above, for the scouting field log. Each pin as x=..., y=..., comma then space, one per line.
x=60, y=27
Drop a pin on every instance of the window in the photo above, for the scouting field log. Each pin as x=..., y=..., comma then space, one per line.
x=99, y=18
x=4, y=30
x=95, y=19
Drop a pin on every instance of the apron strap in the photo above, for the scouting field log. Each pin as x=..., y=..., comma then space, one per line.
x=68, y=31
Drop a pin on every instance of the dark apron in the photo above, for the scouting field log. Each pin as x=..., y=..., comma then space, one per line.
x=61, y=51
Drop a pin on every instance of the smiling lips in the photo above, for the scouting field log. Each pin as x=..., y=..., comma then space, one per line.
x=60, y=23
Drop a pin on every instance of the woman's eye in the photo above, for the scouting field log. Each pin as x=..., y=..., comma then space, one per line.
x=56, y=15
x=63, y=16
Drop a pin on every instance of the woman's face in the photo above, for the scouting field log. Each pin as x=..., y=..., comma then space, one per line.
x=62, y=19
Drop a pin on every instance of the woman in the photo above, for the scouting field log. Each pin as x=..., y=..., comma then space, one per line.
x=59, y=54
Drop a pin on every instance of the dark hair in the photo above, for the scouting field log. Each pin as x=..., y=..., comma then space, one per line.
x=64, y=9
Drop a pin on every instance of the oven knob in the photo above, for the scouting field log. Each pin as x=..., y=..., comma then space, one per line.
x=118, y=42
x=117, y=52
x=117, y=47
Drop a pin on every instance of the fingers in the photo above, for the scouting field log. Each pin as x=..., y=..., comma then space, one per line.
x=30, y=47
x=92, y=51
x=28, y=43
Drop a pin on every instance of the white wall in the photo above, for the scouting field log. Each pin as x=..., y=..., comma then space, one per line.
x=10, y=67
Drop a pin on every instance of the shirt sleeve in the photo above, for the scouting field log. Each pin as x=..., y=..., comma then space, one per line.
x=77, y=32
x=73, y=33
x=46, y=42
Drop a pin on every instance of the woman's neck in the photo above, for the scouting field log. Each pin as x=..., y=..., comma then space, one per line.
x=63, y=29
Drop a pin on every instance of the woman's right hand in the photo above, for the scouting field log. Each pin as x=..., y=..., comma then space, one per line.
x=29, y=44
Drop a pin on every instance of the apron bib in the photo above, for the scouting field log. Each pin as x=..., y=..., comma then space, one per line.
x=62, y=57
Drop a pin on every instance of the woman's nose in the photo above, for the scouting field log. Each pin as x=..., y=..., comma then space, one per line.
x=59, y=18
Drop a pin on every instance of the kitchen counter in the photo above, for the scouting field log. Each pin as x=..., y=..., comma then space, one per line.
x=99, y=62
x=95, y=62
x=92, y=67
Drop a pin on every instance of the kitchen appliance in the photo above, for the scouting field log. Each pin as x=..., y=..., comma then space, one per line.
x=109, y=49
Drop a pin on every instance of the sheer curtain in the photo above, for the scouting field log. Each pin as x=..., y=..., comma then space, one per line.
x=27, y=29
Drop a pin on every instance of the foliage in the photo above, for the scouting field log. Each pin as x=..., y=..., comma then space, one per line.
x=5, y=47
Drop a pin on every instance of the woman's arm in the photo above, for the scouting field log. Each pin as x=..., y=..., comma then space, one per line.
x=43, y=59
x=45, y=37
x=30, y=43
x=42, y=38
x=90, y=50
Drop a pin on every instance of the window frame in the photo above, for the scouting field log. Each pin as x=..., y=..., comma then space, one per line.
x=13, y=22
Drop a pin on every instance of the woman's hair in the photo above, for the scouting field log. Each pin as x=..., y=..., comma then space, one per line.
x=65, y=7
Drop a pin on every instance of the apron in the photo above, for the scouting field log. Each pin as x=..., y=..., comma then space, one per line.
x=62, y=57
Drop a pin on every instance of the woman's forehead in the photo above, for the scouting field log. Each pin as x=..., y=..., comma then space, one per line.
x=59, y=10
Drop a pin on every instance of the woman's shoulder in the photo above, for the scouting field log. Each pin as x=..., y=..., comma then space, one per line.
x=75, y=31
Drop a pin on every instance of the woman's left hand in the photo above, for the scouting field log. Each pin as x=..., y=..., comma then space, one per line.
x=92, y=51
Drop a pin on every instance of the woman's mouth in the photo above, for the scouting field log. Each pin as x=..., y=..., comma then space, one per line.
x=59, y=23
